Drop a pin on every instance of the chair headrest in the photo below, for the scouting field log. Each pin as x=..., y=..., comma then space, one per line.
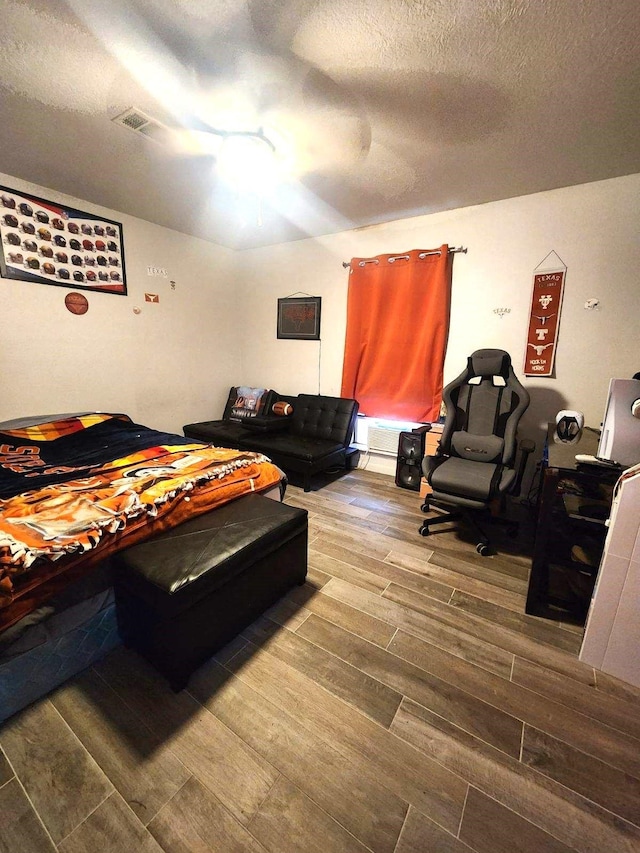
x=489, y=362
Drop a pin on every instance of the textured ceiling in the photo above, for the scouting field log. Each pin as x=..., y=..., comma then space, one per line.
x=380, y=109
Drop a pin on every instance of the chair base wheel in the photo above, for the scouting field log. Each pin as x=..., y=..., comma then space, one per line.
x=425, y=507
x=424, y=530
x=483, y=550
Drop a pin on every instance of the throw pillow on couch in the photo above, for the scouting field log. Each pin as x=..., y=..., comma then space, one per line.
x=256, y=408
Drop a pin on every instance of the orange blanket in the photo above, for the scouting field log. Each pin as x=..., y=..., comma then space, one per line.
x=119, y=502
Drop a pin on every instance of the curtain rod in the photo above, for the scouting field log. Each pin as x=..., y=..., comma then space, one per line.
x=462, y=249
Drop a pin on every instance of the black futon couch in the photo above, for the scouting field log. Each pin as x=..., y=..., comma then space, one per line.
x=311, y=436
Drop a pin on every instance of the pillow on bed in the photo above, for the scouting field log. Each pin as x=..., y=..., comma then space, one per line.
x=34, y=420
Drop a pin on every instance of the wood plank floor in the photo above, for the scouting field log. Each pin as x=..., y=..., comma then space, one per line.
x=400, y=702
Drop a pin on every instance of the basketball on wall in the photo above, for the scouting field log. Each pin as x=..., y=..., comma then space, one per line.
x=76, y=303
x=281, y=408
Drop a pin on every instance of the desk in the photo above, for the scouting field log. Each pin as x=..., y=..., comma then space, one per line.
x=573, y=503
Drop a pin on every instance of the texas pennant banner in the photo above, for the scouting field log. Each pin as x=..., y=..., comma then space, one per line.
x=544, y=322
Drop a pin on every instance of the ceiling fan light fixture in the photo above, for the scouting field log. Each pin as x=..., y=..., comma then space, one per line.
x=247, y=160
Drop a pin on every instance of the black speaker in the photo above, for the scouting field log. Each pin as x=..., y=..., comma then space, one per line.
x=409, y=464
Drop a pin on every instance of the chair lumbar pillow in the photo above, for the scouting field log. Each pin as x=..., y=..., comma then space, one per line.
x=475, y=465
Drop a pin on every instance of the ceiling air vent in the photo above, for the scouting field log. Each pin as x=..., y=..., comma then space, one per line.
x=134, y=119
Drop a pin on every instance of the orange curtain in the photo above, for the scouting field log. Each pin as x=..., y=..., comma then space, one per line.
x=397, y=327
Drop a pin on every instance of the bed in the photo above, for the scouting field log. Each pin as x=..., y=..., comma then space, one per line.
x=74, y=490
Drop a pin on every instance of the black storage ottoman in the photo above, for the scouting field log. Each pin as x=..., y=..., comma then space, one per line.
x=184, y=594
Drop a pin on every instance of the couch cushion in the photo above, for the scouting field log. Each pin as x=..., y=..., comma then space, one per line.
x=308, y=449
x=220, y=433
x=328, y=418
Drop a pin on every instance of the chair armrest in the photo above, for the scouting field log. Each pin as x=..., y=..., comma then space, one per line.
x=430, y=463
x=526, y=447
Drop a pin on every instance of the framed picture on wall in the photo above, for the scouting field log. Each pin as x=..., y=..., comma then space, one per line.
x=46, y=243
x=299, y=317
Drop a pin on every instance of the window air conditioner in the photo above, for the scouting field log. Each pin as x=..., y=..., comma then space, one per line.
x=384, y=439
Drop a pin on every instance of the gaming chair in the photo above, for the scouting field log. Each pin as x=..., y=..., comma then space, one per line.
x=475, y=465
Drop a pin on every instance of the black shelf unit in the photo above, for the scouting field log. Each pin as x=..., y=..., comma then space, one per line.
x=574, y=501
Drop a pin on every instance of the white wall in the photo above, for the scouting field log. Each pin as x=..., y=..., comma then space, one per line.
x=169, y=365
x=594, y=230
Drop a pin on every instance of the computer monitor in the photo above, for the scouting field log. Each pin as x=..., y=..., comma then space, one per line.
x=620, y=437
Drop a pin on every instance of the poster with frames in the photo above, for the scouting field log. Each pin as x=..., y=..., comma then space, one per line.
x=44, y=242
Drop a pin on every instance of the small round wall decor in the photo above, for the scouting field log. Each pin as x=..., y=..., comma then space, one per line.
x=76, y=303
